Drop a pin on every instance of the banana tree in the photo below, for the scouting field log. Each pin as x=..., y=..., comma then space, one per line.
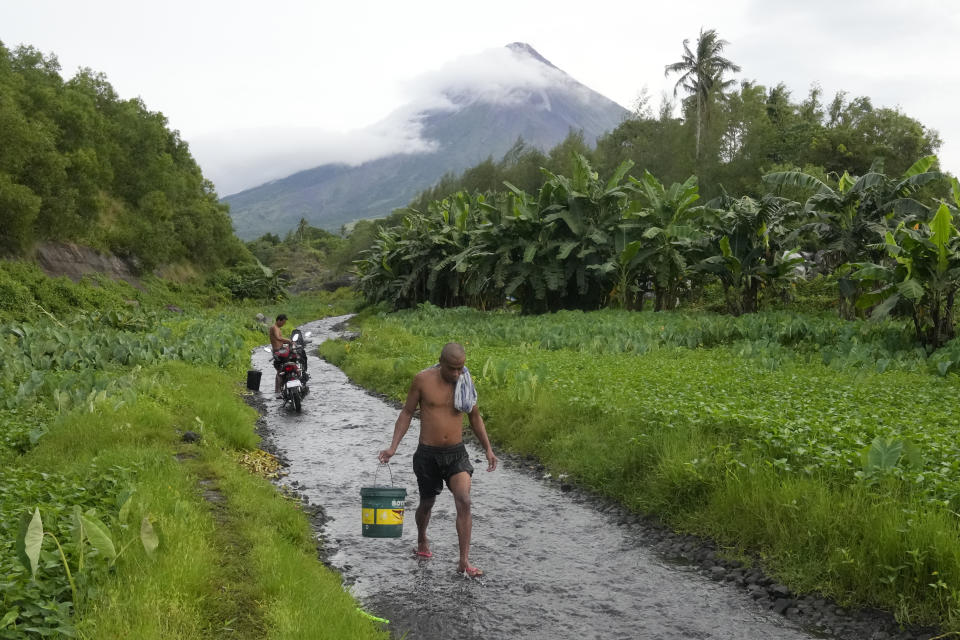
x=525, y=267
x=626, y=268
x=672, y=233
x=585, y=213
x=845, y=218
x=921, y=275
x=750, y=250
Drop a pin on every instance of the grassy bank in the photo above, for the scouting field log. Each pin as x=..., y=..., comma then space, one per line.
x=826, y=448
x=94, y=406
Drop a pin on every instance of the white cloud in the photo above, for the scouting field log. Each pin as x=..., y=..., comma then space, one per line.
x=243, y=158
x=502, y=76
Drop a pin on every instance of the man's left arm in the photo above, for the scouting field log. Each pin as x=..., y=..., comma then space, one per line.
x=480, y=430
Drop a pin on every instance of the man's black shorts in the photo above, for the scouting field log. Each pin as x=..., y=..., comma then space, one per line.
x=435, y=465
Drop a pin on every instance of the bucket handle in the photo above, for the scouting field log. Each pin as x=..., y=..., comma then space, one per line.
x=379, y=466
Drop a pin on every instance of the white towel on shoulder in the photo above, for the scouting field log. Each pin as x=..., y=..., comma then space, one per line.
x=465, y=394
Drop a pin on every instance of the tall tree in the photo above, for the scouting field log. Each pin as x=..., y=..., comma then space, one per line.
x=702, y=73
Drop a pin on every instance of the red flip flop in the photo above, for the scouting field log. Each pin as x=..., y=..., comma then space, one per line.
x=473, y=572
x=423, y=554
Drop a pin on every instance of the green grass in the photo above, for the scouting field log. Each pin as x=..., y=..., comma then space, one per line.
x=92, y=409
x=753, y=431
x=242, y=564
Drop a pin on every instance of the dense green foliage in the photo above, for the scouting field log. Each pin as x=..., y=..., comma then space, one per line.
x=99, y=380
x=27, y=293
x=585, y=243
x=752, y=130
x=78, y=163
x=823, y=447
x=308, y=258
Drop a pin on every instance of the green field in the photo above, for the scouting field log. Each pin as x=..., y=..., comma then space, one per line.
x=824, y=449
x=110, y=525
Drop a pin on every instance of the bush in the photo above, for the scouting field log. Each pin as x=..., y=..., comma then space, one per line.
x=15, y=298
x=249, y=282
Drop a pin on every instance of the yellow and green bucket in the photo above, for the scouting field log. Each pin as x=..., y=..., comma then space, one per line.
x=382, y=510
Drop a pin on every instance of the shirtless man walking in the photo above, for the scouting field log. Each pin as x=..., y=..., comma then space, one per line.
x=441, y=455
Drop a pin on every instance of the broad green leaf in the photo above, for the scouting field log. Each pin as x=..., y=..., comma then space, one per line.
x=912, y=455
x=99, y=536
x=725, y=247
x=795, y=179
x=910, y=289
x=630, y=251
x=920, y=166
x=617, y=176
x=30, y=540
x=884, y=308
x=148, y=536
x=942, y=228
x=565, y=250
x=9, y=617
x=870, y=271
x=845, y=182
x=125, y=506
x=572, y=221
x=883, y=453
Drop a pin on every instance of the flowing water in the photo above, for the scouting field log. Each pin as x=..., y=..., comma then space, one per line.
x=555, y=565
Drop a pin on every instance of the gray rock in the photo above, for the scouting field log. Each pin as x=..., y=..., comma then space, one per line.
x=781, y=604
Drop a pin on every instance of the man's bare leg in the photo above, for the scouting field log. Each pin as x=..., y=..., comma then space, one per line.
x=423, y=519
x=460, y=488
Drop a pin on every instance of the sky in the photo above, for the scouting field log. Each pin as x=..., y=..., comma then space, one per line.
x=260, y=90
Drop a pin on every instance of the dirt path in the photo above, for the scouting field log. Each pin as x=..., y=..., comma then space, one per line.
x=556, y=566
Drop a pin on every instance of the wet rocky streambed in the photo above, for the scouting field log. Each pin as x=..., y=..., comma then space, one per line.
x=558, y=562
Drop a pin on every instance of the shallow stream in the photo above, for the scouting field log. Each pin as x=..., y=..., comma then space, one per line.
x=556, y=565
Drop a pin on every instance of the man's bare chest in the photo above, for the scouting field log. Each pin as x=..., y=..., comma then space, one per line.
x=437, y=398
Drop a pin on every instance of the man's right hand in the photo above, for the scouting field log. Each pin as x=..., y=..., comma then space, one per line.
x=385, y=455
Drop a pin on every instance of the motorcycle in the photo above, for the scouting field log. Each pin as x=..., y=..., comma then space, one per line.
x=291, y=365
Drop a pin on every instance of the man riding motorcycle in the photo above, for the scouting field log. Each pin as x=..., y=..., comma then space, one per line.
x=280, y=346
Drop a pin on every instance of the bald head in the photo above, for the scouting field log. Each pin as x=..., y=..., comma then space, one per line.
x=453, y=352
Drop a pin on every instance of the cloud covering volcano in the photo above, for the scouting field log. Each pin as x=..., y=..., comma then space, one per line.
x=468, y=110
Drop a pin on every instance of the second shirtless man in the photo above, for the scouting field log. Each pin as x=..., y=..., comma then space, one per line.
x=441, y=455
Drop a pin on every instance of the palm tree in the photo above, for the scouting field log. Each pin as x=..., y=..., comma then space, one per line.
x=702, y=72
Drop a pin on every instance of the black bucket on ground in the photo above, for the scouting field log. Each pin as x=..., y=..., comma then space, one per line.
x=253, y=380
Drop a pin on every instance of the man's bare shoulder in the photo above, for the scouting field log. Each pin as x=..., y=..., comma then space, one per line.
x=427, y=379
x=425, y=375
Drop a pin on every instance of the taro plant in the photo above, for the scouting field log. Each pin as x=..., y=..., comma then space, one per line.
x=88, y=532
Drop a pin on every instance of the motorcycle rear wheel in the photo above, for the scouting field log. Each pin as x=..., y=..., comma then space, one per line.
x=296, y=399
